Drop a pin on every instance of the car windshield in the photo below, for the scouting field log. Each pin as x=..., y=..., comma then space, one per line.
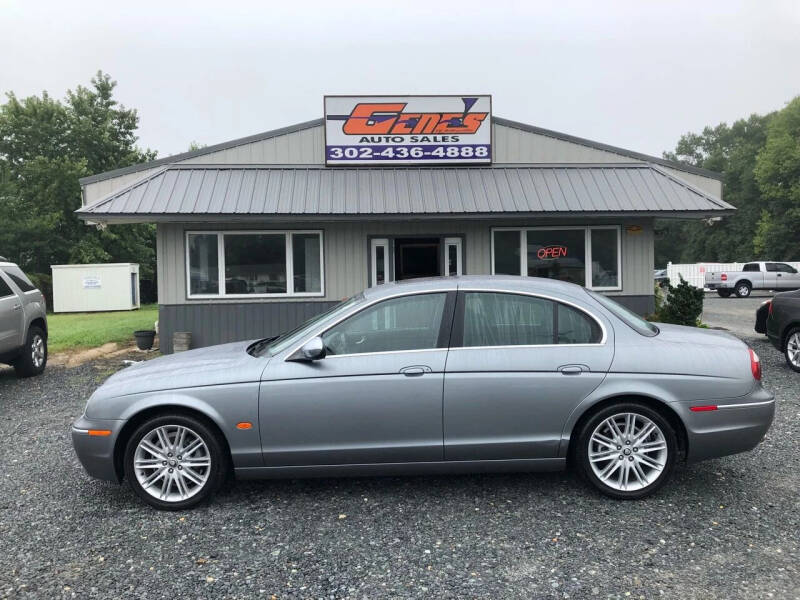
x=630, y=318
x=272, y=346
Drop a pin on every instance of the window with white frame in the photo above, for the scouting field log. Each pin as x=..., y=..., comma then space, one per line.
x=254, y=263
x=588, y=256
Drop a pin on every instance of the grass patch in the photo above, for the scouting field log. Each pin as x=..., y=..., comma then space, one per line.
x=74, y=331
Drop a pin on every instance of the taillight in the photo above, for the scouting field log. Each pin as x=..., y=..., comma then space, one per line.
x=769, y=307
x=755, y=365
x=724, y=277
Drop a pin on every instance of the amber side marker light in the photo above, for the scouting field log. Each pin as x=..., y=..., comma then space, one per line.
x=100, y=432
x=244, y=425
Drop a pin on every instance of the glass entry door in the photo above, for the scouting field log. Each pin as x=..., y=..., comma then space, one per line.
x=409, y=257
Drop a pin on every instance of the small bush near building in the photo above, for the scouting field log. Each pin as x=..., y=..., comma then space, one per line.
x=683, y=305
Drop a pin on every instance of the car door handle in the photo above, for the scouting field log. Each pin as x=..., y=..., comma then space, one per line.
x=16, y=307
x=415, y=370
x=571, y=369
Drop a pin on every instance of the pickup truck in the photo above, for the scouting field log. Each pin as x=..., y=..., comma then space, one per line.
x=753, y=276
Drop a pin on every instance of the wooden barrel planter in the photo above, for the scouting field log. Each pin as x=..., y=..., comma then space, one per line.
x=181, y=341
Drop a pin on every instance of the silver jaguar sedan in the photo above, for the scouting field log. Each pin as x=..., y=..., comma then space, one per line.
x=450, y=375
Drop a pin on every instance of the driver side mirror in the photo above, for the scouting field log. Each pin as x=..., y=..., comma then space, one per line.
x=313, y=349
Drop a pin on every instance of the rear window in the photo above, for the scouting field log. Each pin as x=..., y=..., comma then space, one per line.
x=17, y=276
x=5, y=289
x=630, y=318
x=751, y=267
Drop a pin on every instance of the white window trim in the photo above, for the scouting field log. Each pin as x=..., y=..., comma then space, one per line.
x=288, y=235
x=374, y=244
x=587, y=229
x=452, y=241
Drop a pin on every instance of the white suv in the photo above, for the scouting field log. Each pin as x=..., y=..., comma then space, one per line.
x=23, y=322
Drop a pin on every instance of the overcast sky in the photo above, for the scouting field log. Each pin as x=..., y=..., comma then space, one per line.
x=633, y=74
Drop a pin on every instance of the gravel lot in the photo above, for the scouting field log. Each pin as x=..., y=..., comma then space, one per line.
x=727, y=528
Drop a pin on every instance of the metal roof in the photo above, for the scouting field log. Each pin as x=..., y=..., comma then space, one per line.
x=252, y=190
x=319, y=122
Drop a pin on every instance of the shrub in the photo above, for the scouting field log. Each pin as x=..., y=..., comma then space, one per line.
x=682, y=306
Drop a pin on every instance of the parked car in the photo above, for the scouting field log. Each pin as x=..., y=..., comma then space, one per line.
x=660, y=277
x=23, y=322
x=445, y=375
x=753, y=276
x=783, y=326
x=762, y=312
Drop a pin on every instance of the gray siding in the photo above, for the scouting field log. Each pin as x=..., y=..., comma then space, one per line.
x=212, y=324
x=346, y=252
x=94, y=191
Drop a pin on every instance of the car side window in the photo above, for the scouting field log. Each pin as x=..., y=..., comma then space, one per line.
x=5, y=289
x=576, y=327
x=499, y=319
x=404, y=323
x=18, y=277
x=750, y=267
x=771, y=267
x=784, y=268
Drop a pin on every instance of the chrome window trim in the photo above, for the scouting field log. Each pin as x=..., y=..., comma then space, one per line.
x=325, y=328
x=360, y=308
x=590, y=314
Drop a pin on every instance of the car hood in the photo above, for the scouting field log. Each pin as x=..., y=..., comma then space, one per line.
x=213, y=365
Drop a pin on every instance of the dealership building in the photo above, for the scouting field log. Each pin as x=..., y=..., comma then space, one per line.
x=260, y=233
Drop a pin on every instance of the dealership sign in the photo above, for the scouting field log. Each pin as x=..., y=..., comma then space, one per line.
x=405, y=130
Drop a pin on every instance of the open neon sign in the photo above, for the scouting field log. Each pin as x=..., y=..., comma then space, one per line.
x=551, y=252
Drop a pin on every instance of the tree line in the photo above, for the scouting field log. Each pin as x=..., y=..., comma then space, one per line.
x=46, y=145
x=759, y=159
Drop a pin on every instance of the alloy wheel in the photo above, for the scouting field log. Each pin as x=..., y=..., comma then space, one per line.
x=793, y=349
x=627, y=452
x=37, y=351
x=172, y=463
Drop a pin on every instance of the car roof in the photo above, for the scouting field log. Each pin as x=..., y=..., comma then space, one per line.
x=497, y=282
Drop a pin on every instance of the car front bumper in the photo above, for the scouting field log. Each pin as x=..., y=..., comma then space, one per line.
x=736, y=425
x=96, y=452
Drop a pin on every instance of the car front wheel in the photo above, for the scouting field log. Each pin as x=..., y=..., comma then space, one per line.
x=792, y=351
x=175, y=462
x=627, y=450
x=34, y=355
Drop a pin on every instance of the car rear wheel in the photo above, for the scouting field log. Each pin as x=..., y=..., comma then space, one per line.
x=792, y=351
x=743, y=290
x=627, y=450
x=724, y=293
x=34, y=354
x=175, y=462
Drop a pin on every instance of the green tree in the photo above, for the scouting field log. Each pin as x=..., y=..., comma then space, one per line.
x=732, y=151
x=778, y=174
x=45, y=146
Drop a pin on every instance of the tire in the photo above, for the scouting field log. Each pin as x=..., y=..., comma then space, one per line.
x=743, y=289
x=176, y=484
x=662, y=450
x=724, y=293
x=34, y=354
x=791, y=349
